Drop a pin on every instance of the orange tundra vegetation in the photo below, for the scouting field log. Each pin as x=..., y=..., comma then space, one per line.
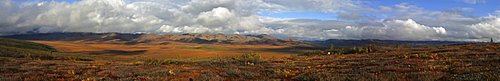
x=186, y=50
x=173, y=60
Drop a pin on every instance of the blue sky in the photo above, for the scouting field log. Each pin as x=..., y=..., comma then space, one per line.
x=473, y=20
x=479, y=8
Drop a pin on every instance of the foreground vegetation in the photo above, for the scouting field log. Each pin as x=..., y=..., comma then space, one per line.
x=453, y=62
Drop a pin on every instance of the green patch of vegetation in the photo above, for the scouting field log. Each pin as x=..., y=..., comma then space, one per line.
x=24, y=49
x=353, y=50
x=204, y=47
x=76, y=59
x=312, y=53
x=153, y=61
x=422, y=55
x=251, y=57
x=25, y=45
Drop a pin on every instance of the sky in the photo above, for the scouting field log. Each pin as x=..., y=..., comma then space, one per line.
x=449, y=20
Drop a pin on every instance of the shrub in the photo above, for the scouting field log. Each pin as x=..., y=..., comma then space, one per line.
x=353, y=50
x=422, y=55
x=153, y=61
x=252, y=57
x=76, y=59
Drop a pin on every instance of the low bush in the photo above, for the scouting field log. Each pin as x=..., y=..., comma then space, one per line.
x=152, y=61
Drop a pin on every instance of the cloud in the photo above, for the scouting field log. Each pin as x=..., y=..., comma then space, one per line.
x=459, y=24
x=216, y=18
x=354, y=16
x=307, y=29
x=486, y=29
x=464, y=12
x=497, y=12
x=160, y=16
x=473, y=1
x=317, y=5
x=8, y=8
x=396, y=29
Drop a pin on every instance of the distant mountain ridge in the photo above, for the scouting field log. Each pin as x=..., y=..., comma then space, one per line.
x=346, y=43
x=146, y=38
x=262, y=39
x=221, y=38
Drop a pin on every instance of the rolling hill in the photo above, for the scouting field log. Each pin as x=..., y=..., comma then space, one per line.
x=131, y=39
x=25, y=49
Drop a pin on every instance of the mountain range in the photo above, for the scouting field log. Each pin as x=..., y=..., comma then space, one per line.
x=124, y=38
x=262, y=39
x=348, y=43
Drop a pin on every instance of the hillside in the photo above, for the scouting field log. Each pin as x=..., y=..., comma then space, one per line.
x=131, y=39
x=24, y=49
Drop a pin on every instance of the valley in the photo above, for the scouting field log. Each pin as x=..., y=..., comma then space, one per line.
x=170, y=51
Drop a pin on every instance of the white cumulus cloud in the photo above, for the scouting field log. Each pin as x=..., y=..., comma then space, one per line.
x=396, y=29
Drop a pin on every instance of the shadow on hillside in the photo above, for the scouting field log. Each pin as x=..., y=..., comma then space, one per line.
x=117, y=52
x=294, y=49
